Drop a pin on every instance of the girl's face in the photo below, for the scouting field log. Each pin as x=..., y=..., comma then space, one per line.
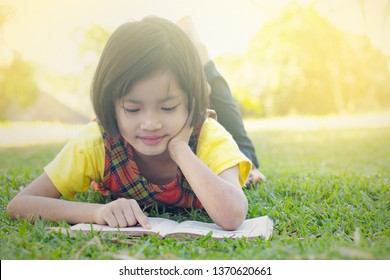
x=153, y=112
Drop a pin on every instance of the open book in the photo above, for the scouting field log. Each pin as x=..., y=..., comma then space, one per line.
x=261, y=226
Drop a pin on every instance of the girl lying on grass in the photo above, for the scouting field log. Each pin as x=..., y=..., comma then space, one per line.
x=152, y=141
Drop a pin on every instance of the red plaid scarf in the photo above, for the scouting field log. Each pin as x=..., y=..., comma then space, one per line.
x=122, y=177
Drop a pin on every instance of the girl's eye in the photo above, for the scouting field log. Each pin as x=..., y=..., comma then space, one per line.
x=131, y=110
x=169, y=109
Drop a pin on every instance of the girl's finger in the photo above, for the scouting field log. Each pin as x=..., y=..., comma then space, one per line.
x=129, y=215
x=139, y=215
x=111, y=220
x=120, y=217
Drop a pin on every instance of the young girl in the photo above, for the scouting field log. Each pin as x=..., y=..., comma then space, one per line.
x=152, y=141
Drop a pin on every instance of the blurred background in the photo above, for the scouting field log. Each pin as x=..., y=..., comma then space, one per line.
x=281, y=58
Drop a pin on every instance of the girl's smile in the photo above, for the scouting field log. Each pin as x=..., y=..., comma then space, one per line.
x=151, y=140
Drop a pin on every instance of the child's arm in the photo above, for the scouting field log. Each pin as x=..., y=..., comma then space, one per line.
x=221, y=195
x=41, y=199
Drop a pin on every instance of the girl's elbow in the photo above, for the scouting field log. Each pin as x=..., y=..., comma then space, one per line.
x=232, y=220
x=11, y=209
x=231, y=225
x=14, y=207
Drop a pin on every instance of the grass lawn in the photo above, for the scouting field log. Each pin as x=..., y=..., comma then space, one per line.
x=328, y=192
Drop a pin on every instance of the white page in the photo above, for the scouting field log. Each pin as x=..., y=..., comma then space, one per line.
x=158, y=225
x=261, y=226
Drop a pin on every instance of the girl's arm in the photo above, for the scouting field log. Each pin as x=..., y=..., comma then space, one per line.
x=41, y=199
x=221, y=195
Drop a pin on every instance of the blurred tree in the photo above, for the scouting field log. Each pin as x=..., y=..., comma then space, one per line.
x=17, y=84
x=376, y=17
x=94, y=38
x=17, y=81
x=301, y=63
x=73, y=88
x=5, y=13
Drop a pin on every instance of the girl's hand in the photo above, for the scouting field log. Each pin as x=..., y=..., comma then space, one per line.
x=122, y=213
x=183, y=137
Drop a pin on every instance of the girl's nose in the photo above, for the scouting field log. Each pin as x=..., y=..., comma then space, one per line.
x=151, y=122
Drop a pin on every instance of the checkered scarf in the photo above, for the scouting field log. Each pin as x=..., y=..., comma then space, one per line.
x=123, y=179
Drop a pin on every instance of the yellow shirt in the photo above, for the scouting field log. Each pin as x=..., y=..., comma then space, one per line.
x=81, y=161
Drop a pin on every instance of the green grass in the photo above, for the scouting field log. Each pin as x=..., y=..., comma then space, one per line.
x=328, y=192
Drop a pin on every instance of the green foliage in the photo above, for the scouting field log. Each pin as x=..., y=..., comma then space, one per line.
x=94, y=40
x=301, y=63
x=17, y=84
x=5, y=13
x=76, y=85
x=327, y=192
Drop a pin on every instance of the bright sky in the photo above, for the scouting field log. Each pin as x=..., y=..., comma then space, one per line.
x=44, y=30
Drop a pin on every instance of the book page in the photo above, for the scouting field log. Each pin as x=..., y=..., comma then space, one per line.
x=162, y=226
x=158, y=225
x=261, y=226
